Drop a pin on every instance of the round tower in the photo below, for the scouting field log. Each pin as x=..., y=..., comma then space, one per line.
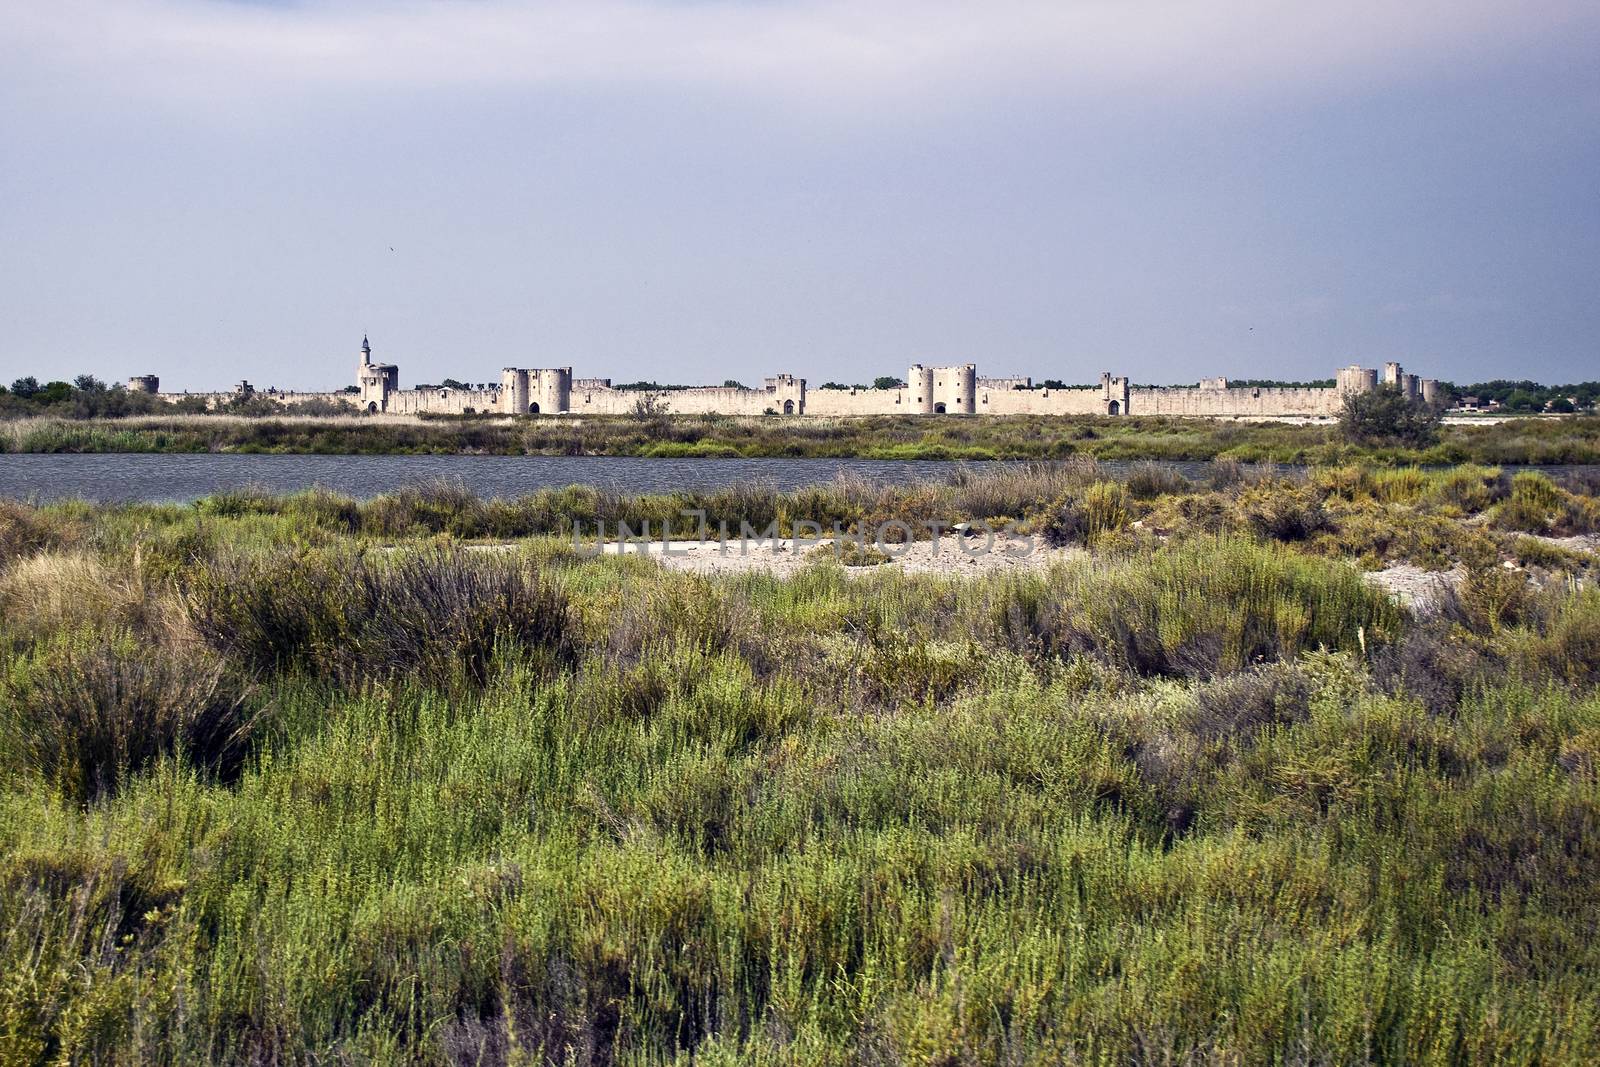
x=965, y=400
x=550, y=390
x=919, y=387
x=513, y=391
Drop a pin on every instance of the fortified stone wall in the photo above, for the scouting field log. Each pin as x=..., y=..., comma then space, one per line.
x=783, y=395
x=282, y=398
x=1109, y=398
x=1078, y=401
x=1234, y=400
x=442, y=400
x=848, y=402
x=927, y=391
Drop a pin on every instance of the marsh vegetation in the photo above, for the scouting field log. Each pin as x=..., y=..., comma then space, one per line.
x=307, y=779
x=1574, y=439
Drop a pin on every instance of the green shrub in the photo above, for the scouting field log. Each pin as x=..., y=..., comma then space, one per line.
x=1386, y=414
x=436, y=614
x=1203, y=607
x=1533, y=506
x=1065, y=522
x=86, y=712
x=1569, y=647
x=25, y=530
x=1470, y=488
x=1150, y=480
x=1106, y=506
x=1283, y=512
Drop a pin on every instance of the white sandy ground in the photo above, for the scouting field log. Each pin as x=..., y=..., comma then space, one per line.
x=1412, y=585
x=949, y=555
x=1575, y=543
x=1420, y=589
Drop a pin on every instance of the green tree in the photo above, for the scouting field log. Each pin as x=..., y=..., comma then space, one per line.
x=1522, y=400
x=887, y=382
x=25, y=388
x=53, y=393
x=731, y=383
x=1387, y=414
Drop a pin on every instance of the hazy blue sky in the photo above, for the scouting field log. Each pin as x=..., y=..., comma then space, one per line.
x=702, y=189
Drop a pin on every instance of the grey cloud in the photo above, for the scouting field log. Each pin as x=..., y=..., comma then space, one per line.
x=820, y=53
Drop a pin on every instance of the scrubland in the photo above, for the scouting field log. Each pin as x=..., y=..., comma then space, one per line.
x=1573, y=439
x=311, y=780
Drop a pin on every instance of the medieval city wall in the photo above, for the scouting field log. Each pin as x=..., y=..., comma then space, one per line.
x=848, y=402
x=699, y=401
x=442, y=401
x=926, y=391
x=1235, y=401
x=1079, y=401
x=214, y=401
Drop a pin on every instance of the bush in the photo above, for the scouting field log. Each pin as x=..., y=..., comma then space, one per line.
x=85, y=714
x=1569, y=647
x=1534, y=505
x=433, y=614
x=54, y=592
x=1385, y=414
x=1066, y=522
x=1236, y=709
x=1207, y=606
x=1014, y=491
x=1150, y=480
x=24, y=530
x=1106, y=504
x=1284, y=513
x=1435, y=663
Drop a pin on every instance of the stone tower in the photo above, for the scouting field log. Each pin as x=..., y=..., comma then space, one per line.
x=537, y=391
x=919, y=388
x=376, y=380
x=1114, y=393
x=788, y=394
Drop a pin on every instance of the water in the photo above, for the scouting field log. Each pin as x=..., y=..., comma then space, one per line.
x=114, y=477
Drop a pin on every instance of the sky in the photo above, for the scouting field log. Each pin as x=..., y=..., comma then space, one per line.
x=688, y=191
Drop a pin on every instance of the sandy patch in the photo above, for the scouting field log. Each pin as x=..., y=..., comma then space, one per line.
x=1575, y=543
x=947, y=556
x=1414, y=587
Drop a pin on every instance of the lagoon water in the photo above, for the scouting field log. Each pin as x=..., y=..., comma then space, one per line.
x=114, y=477
x=140, y=477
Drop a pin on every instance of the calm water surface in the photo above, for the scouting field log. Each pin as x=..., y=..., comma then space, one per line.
x=128, y=477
